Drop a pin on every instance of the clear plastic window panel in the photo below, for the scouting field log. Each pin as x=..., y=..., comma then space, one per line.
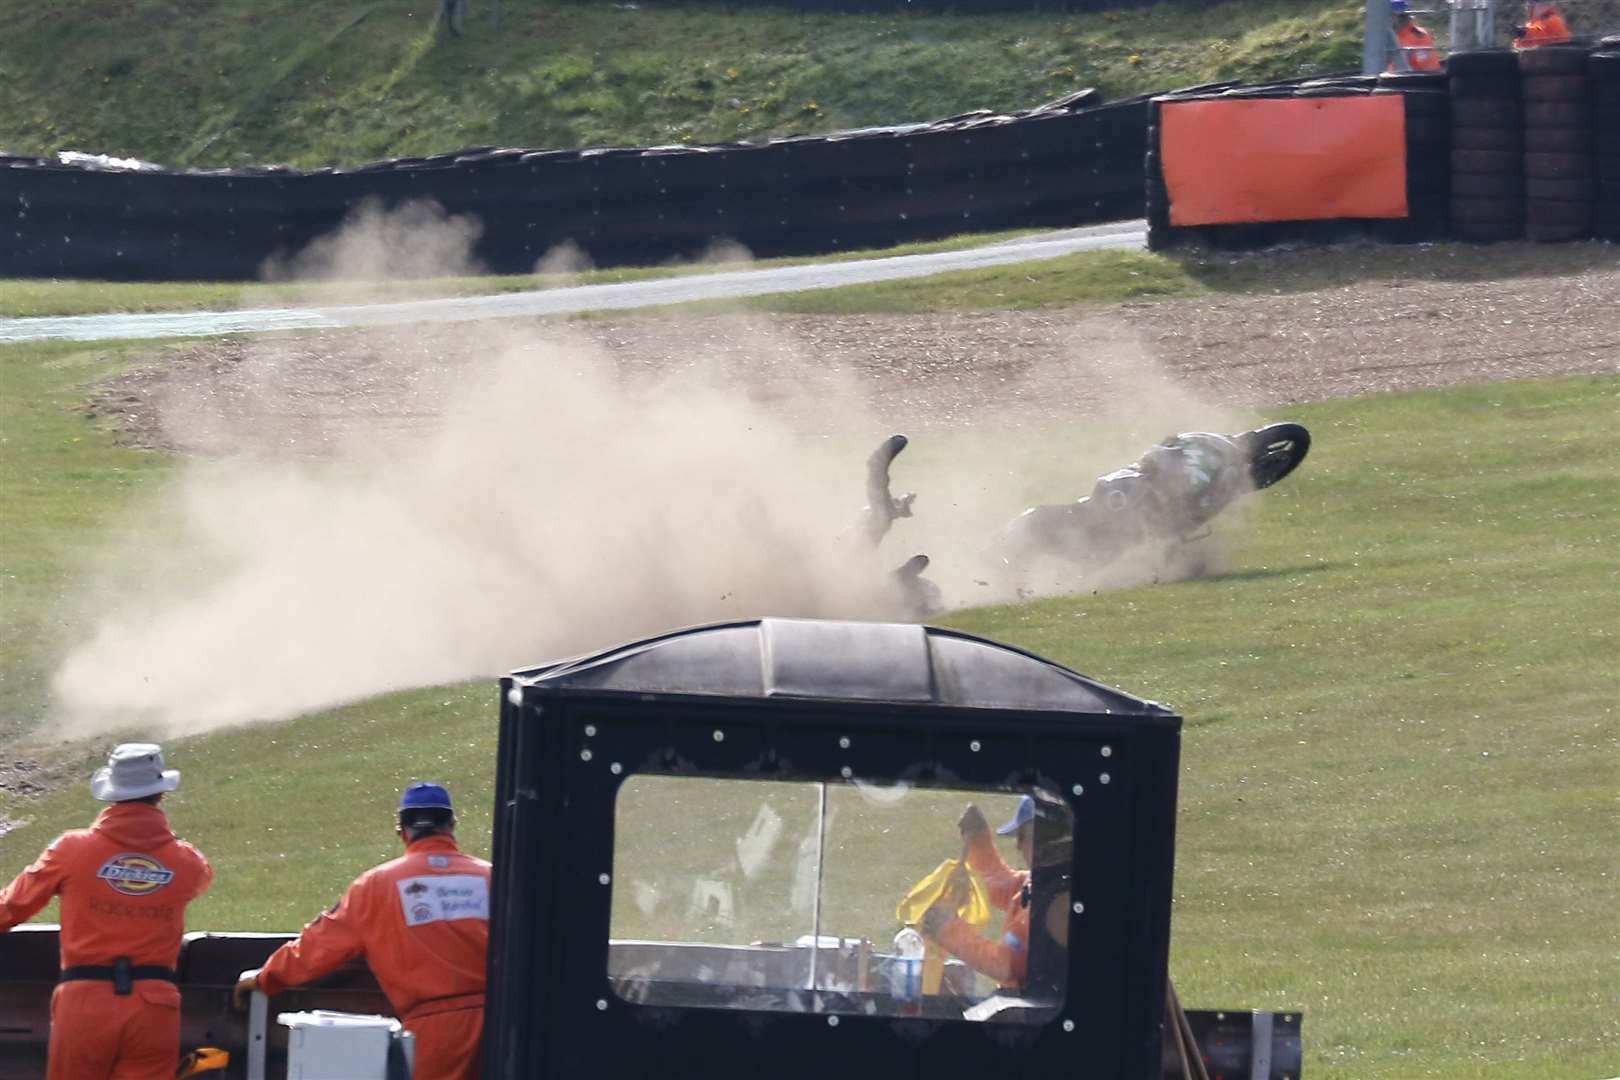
x=840, y=898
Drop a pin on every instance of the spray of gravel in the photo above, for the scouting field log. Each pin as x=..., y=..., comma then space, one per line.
x=378, y=510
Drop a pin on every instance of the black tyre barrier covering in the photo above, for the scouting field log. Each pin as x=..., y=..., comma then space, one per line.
x=1555, y=88
x=1558, y=140
x=1537, y=189
x=1486, y=87
x=1469, y=211
x=1561, y=114
x=1487, y=185
x=1483, y=62
x=1558, y=166
x=1068, y=162
x=1487, y=112
x=1485, y=161
x=1501, y=139
x=1553, y=60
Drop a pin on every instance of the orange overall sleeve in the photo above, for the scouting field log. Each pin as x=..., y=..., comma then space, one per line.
x=331, y=940
x=1001, y=881
x=997, y=959
x=33, y=888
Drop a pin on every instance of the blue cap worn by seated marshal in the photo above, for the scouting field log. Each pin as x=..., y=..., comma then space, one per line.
x=1397, y=6
x=425, y=797
x=1022, y=816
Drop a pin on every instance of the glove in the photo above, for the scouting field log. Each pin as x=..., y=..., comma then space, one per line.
x=246, y=983
x=934, y=920
x=972, y=821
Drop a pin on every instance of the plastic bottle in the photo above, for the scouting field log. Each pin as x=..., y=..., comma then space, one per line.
x=905, y=976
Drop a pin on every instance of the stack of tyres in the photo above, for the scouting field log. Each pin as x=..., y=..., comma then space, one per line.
x=1559, y=184
x=1487, y=146
x=1159, y=233
x=1427, y=104
x=1603, y=69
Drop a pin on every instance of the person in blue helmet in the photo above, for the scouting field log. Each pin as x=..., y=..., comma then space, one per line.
x=1006, y=959
x=1415, y=42
x=421, y=922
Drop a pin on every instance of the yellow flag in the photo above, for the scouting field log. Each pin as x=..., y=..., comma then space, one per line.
x=972, y=906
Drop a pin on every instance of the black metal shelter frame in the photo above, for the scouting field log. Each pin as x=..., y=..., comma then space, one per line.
x=828, y=703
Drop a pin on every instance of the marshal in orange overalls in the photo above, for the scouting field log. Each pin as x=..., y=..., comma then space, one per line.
x=1544, y=26
x=422, y=924
x=124, y=883
x=1006, y=959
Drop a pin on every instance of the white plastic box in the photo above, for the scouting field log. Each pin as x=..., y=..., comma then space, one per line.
x=323, y=1045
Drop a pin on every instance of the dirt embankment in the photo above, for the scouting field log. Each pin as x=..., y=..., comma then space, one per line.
x=1240, y=351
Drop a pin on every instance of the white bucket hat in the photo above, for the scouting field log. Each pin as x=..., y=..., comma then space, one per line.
x=133, y=771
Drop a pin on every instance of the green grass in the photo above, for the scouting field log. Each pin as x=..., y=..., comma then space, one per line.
x=251, y=81
x=1091, y=277
x=1397, y=808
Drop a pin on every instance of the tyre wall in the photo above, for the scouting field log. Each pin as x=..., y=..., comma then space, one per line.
x=210, y=963
x=1070, y=162
x=1504, y=145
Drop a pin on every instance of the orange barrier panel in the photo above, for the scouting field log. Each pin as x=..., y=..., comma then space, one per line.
x=1284, y=159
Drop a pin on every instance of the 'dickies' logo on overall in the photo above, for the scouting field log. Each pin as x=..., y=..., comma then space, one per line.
x=135, y=875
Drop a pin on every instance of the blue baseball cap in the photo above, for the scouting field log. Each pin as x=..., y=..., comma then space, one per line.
x=425, y=797
x=1398, y=6
x=1021, y=816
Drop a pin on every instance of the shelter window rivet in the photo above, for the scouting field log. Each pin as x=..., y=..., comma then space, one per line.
x=846, y=772
x=615, y=768
x=1068, y=1025
x=832, y=1021
x=584, y=755
x=1079, y=789
x=719, y=736
x=515, y=696
x=843, y=742
x=603, y=879
x=590, y=729
x=1108, y=751
x=974, y=746
x=1079, y=908
x=601, y=1004
x=1105, y=778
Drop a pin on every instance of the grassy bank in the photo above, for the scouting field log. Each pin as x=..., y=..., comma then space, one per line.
x=236, y=83
x=1397, y=789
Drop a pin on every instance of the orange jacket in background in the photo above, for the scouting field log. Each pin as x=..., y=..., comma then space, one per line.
x=1007, y=958
x=124, y=883
x=1418, y=45
x=1550, y=29
x=422, y=924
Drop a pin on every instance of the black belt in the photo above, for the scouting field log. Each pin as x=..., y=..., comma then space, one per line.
x=121, y=973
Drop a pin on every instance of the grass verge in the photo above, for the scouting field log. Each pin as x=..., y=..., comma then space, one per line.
x=33, y=297
x=1397, y=796
x=237, y=83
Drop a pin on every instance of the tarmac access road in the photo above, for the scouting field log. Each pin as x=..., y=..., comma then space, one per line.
x=1121, y=235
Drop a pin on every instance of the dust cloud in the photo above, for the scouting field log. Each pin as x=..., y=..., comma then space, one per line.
x=396, y=509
